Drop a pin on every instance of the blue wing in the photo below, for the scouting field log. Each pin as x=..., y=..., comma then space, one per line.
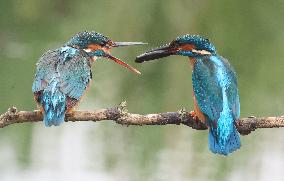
x=211, y=77
x=68, y=66
x=61, y=78
x=216, y=92
x=75, y=75
x=45, y=70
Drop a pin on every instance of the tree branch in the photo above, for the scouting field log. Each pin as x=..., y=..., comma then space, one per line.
x=120, y=115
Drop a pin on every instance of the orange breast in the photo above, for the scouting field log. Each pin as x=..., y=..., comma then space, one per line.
x=197, y=110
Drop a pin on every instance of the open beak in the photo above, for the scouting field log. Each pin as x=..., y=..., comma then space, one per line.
x=106, y=53
x=163, y=51
x=120, y=44
x=109, y=56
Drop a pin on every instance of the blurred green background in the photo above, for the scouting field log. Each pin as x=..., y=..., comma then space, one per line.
x=248, y=33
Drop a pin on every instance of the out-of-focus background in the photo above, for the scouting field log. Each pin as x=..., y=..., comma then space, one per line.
x=248, y=33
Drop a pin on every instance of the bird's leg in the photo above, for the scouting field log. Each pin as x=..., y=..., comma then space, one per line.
x=193, y=115
x=70, y=111
x=196, y=119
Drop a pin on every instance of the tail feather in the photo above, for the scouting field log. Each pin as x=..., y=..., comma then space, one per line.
x=232, y=143
x=224, y=138
x=54, y=105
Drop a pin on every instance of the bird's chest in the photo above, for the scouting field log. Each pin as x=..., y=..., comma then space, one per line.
x=206, y=85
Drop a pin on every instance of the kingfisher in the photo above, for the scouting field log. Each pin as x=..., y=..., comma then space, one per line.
x=64, y=74
x=215, y=91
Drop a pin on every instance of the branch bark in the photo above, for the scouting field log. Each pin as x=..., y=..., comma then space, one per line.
x=120, y=115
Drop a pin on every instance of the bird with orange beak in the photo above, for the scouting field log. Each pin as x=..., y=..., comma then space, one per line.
x=63, y=75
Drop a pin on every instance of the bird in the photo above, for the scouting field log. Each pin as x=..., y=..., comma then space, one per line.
x=215, y=89
x=63, y=75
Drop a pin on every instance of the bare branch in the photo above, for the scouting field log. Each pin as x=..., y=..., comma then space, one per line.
x=120, y=115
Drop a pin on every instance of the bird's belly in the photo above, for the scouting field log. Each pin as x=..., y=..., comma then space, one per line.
x=197, y=110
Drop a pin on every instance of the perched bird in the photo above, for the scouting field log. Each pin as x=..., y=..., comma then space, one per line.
x=63, y=75
x=216, y=99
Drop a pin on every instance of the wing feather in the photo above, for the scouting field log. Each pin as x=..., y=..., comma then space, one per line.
x=211, y=76
x=71, y=68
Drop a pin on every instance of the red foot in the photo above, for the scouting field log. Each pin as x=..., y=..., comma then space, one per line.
x=197, y=124
x=193, y=115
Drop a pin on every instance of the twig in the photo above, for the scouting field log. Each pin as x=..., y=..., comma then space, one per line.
x=120, y=115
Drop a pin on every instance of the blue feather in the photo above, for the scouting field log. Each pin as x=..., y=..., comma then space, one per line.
x=61, y=74
x=215, y=88
x=54, y=105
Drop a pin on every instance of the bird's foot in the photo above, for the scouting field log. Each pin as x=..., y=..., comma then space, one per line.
x=198, y=123
x=193, y=115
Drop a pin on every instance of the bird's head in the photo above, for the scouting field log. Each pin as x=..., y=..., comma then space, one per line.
x=98, y=45
x=192, y=46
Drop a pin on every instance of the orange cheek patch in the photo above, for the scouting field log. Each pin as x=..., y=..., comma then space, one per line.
x=187, y=47
x=94, y=47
